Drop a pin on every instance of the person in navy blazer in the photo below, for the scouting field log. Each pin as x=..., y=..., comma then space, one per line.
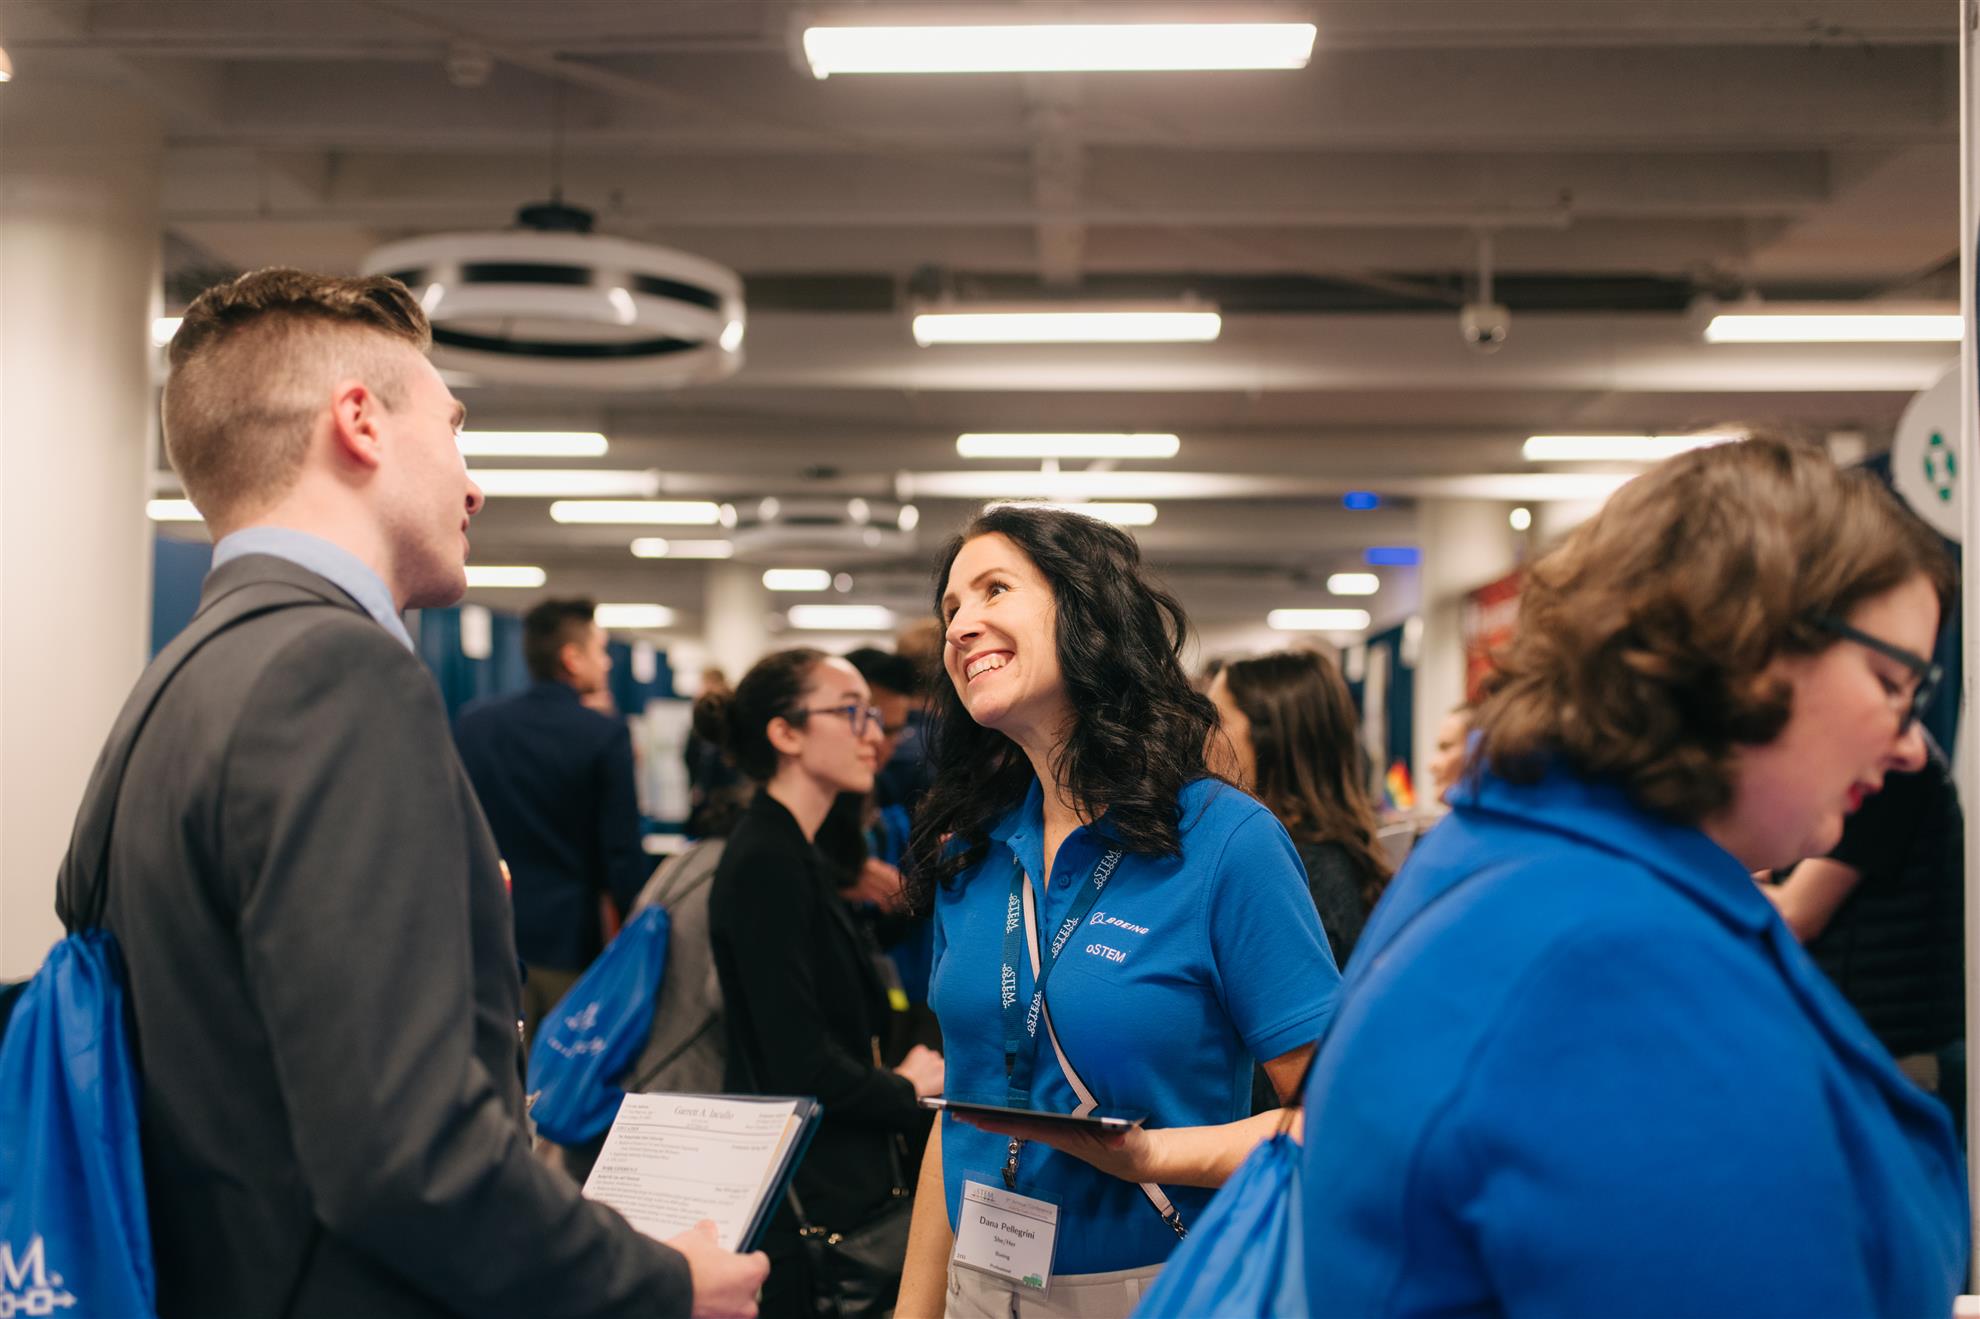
x=556, y=782
x=1580, y=1066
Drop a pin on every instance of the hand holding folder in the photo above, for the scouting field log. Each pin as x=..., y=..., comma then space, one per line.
x=671, y=1161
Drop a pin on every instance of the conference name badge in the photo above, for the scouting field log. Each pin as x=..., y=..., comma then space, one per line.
x=1006, y=1235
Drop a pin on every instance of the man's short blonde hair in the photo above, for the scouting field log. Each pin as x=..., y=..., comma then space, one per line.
x=253, y=364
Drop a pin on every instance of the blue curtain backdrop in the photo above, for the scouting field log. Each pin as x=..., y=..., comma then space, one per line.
x=1400, y=705
x=463, y=680
x=177, y=569
x=630, y=694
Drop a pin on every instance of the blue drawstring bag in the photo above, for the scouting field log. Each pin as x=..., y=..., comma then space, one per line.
x=1247, y=1254
x=1244, y=1256
x=593, y=1034
x=74, y=1236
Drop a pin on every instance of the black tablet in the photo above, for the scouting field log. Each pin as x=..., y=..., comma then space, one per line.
x=1100, y=1122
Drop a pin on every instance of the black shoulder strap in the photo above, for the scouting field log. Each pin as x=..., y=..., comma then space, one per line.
x=83, y=888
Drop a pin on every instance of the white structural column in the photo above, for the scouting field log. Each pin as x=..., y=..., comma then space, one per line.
x=79, y=254
x=1465, y=543
x=737, y=617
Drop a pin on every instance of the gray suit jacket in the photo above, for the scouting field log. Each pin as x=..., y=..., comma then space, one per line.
x=324, y=989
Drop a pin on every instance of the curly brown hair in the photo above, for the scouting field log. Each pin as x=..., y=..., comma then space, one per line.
x=1644, y=640
x=1138, y=737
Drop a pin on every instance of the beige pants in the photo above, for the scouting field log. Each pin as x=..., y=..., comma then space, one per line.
x=974, y=1295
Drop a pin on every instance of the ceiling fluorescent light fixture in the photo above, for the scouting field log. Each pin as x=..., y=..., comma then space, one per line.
x=1007, y=47
x=533, y=444
x=637, y=512
x=516, y=577
x=1353, y=583
x=1121, y=514
x=796, y=579
x=1618, y=448
x=1066, y=445
x=1317, y=620
x=1847, y=323
x=632, y=618
x=656, y=547
x=171, y=510
x=1034, y=323
x=564, y=483
x=841, y=618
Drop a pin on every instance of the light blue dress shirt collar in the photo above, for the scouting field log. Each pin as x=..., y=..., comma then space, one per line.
x=339, y=566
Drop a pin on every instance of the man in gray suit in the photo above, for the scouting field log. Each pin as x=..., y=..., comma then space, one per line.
x=321, y=965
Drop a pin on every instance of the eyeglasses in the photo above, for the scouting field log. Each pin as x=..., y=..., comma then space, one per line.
x=861, y=717
x=1910, y=708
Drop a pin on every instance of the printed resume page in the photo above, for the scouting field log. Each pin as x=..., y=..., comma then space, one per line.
x=672, y=1160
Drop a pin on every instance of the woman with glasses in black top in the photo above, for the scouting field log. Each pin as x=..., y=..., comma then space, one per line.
x=803, y=1002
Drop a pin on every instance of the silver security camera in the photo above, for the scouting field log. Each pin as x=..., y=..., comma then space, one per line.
x=1485, y=325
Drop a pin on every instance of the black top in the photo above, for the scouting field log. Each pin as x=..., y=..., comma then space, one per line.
x=556, y=781
x=1895, y=945
x=804, y=1005
x=323, y=984
x=1336, y=881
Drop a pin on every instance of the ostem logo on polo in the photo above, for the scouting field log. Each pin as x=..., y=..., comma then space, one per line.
x=26, y=1285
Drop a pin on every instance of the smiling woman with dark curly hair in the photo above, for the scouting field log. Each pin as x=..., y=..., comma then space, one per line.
x=1089, y=876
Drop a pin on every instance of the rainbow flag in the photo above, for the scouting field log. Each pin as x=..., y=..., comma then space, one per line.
x=1395, y=784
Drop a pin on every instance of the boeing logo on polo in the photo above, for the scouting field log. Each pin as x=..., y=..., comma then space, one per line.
x=1102, y=918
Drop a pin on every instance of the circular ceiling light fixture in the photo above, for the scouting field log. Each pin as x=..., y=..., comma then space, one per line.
x=551, y=303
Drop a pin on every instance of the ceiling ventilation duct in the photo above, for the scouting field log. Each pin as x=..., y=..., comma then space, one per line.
x=551, y=303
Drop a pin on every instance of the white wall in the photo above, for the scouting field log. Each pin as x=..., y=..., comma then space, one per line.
x=1465, y=544
x=79, y=253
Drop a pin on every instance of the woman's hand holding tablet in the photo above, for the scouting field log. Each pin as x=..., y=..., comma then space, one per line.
x=1116, y=1144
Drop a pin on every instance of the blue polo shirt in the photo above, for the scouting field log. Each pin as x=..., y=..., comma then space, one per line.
x=1188, y=969
x=1581, y=1067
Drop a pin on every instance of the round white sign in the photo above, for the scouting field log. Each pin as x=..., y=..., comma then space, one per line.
x=1925, y=460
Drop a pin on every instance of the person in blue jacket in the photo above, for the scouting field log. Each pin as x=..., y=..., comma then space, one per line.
x=1115, y=929
x=1581, y=1067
